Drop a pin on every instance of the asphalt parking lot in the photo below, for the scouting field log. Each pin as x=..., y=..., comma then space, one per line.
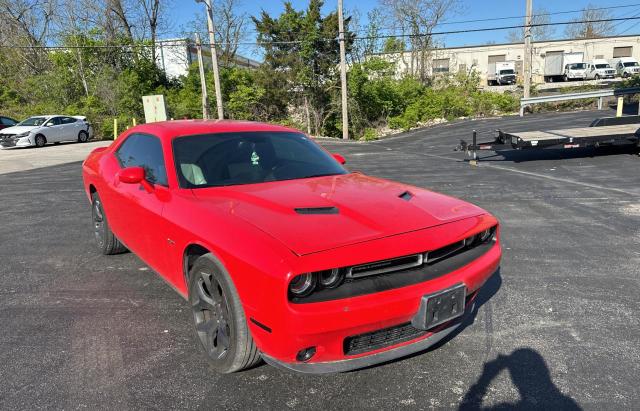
x=558, y=327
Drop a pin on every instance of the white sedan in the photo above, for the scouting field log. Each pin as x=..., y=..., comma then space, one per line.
x=40, y=130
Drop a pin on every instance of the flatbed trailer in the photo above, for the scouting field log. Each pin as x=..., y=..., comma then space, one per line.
x=602, y=132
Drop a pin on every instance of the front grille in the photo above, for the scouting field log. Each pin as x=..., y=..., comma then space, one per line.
x=382, y=275
x=385, y=266
x=381, y=338
x=387, y=337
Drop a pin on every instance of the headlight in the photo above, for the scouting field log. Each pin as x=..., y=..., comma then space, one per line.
x=22, y=135
x=302, y=284
x=485, y=235
x=330, y=278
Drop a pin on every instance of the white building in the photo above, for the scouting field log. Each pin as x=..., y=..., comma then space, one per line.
x=175, y=56
x=453, y=59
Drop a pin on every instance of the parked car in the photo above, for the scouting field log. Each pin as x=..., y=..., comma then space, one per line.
x=7, y=122
x=598, y=69
x=40, y=130
x=282, y=252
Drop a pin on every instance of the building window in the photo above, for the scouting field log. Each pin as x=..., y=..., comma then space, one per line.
x=622, y=51
x=441, y=65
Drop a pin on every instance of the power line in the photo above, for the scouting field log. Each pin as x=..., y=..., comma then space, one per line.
x=264, y=43
x=518, y=17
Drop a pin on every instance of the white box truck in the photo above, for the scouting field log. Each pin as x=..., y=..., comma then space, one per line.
x=625, y=66
x=558, y=66
x=501, y=73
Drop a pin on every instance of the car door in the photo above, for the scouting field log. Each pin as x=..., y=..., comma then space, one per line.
x=140, y=211
x=53, y=130
x=70, y=129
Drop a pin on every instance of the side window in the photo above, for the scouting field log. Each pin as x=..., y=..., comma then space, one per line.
x=68, y=120
x=54, y=121
x=144, y=150
x=6, y=121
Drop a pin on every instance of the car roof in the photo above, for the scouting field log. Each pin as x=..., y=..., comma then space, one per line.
x=178, y=128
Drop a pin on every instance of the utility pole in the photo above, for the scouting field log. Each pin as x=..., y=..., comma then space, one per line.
x=214, y=56
x=203, y=81
x=343, y=73
x=527, y=51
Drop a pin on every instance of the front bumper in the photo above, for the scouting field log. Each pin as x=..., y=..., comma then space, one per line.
x=437, y=335
x=330, y=326
x=10, y=141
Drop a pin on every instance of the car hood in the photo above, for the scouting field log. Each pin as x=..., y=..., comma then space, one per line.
x=317, y=214
x=18, y=129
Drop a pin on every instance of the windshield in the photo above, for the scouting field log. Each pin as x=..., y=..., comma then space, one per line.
x=225, y=159
x=33, y=121
x=509, y=71
x=578, y=66
x=631, y=64
x=602, y=66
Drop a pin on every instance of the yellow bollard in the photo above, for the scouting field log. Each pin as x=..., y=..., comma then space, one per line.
x=115, y=129
x=134, y=122
x=620, y=105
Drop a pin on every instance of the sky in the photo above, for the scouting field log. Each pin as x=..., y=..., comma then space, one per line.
x=184, y=11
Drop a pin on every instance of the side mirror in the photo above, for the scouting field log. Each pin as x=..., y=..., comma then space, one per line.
x=339, y=158
x=134, y=175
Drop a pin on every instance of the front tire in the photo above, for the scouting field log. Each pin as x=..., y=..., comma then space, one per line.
x=40, y=140
x=597, y=77
x=107, y=242
x=83, y=137
x=219, y=319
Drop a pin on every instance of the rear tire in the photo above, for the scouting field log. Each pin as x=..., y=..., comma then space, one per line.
x=83, y=137
x=41, y=140
x=107, y=242
x=597, y=77
x=219, y=319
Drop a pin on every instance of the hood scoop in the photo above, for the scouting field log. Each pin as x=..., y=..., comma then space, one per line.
x=317, y=210
x=406, y=196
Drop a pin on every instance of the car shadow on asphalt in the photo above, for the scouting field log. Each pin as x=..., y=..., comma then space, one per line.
x=530, y=374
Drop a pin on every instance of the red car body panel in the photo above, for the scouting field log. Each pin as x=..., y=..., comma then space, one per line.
x=263, y=243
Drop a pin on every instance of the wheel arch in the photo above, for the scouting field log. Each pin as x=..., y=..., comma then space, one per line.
x=191, y=253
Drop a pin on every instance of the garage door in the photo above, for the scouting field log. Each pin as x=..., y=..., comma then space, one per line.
x=622, y=51
x=497, y=58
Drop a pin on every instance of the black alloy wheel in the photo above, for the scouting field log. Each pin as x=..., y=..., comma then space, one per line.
x=97, y=216
x=106, y=241
x=211, y=315
x=218, y=317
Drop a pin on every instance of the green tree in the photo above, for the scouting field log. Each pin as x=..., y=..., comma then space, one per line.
x=301, y=63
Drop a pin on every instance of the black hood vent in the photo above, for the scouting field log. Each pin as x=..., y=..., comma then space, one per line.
x=317, y=210
x=406, y=196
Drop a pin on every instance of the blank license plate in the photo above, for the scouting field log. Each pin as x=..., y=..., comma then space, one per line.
x=444, y=306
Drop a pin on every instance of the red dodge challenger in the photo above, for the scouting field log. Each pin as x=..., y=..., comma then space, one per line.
x=282, y=253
